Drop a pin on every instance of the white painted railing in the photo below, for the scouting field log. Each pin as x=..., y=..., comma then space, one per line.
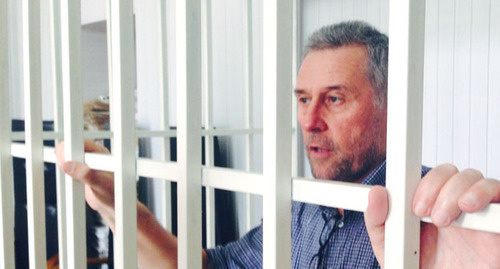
x=74, y=253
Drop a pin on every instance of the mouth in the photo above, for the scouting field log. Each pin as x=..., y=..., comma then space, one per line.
x=319, y=150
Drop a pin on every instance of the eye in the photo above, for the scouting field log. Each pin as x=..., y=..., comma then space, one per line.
x=303, y=100
x=334, y=99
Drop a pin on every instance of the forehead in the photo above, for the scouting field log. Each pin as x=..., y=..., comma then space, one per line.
x=341, y=66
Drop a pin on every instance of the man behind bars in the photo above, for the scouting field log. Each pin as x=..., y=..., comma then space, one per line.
x=342, y=109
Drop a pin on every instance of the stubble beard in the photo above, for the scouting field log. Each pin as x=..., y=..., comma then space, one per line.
x=352, y=166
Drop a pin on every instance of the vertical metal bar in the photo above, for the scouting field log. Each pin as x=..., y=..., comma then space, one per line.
x=429, y=130
x=277, y=103
x=404, y=130
x=164, y=117
x=188, y=72
x=206, y=77
x=299, y=157
x=55, y=34
x=296, y=142
x=248, y=91
x=123, y=116
x=6, y=186
x=110, y=60
x=33, y=126
x=73, y=133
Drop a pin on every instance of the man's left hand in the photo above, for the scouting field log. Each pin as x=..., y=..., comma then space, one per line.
x=443, y=194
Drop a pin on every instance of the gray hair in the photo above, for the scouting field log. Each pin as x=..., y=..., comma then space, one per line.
x=361, y=33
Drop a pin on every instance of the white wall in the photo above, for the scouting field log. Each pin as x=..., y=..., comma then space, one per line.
x=462, y=89
x=461, y=85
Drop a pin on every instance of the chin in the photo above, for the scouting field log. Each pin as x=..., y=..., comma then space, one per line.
x=339, y=172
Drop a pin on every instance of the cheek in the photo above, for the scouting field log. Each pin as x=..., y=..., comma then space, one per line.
x=355, y=130
x=302, y=128
x=355, y=133
x=345, y=133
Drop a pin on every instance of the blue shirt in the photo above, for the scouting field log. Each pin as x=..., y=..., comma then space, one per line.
x=321, y=238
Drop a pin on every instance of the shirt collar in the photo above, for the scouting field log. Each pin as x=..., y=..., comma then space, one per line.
x=376, y=176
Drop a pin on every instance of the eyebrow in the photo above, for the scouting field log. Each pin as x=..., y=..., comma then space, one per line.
x=330, y=88
x=299, y=91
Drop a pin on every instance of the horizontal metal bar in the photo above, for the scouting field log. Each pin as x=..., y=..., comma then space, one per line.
x=232, y=180
x=350, y=196
x=344, y=195
x=51, y=135
x=94, y=160
x=487, y=220
x=211, y=132
x=157, y=169
x=157, y=133
x=353, y=196
x=99, y=161
x=227, y=132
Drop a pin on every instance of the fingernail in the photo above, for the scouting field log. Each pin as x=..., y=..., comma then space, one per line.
x=440, y=218
x=68, y=167
x=421, y=209
x=469, y=201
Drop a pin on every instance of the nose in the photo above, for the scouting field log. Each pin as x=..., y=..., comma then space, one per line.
x=311, y=118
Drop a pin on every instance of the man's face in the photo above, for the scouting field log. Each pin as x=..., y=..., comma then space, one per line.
x=344, y=130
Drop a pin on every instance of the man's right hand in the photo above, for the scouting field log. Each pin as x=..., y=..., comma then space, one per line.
x=99, y=190
x=156, y=248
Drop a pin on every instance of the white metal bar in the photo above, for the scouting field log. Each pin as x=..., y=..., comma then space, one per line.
x=73, y=133
x=49, y=135
x=248, y=79
x=232, y=180
x=188, y=79
x=206, y=78
x=248, y=91
x=487, y=220
x=123, y=123
x=205, y=132
x=210, y=216
x=164, y=117
x=404, y=130
x=352, y=196
x=277, y=104
x=6, y=186
x=355, y=197
x=228, y=132
x=19, y=136
x=56, y=53
x=296, y=147
x=348, y=196
x=110, y=57
x=33, y=126
x=157, y=169
x=19, y=150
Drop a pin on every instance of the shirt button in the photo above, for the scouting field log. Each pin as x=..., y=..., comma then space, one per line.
x=341, y=224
